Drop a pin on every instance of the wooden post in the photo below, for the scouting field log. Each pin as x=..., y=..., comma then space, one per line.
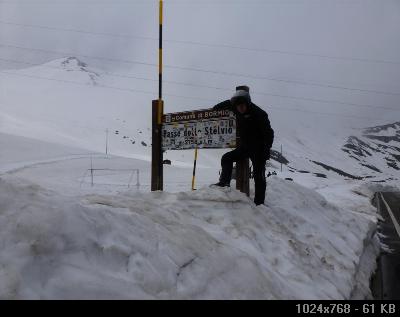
x=242, y=170
x=156, y=148
x=242, y=167
x=242, y=176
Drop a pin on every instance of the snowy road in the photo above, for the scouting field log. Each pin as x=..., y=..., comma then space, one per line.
x=389, y=207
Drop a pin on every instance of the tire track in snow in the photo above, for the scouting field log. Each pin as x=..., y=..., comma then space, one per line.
x=17, y=167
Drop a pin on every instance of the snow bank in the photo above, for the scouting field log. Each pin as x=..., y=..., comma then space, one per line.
x=207, y=244
x=369, y=189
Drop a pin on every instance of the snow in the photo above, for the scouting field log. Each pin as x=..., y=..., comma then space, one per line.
x=207, y=244
x=65, y=169
x=64, y=240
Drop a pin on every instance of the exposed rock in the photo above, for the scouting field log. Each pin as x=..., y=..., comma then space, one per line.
x=336, y=170
x=277, y=156
x=376, y=148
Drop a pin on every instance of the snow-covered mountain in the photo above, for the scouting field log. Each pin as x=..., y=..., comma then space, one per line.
x=377, y=149
x=68, y=102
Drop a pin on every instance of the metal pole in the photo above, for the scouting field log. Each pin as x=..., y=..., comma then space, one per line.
x=196, y=152
x=194, y=167
x=91, y=169
x=160, y=63
x=106, y=141
x=281, y=157
x=158, y=111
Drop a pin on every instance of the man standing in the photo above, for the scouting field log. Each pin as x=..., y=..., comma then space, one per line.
x=256, y=138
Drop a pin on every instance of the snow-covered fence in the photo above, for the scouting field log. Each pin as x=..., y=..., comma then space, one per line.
x=111, y=177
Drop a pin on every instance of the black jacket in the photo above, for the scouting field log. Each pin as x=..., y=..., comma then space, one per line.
x=254, y=128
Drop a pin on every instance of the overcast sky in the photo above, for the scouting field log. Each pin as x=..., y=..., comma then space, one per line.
x=292, y=48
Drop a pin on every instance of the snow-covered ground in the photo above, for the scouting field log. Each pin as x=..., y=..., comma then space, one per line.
x=203, y=244
x=63, y=238
x=66, y=169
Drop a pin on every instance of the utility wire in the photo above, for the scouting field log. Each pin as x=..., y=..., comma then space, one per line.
x=178, y=96
x=102, y=86
x=229, y=74
x=216, y=88
x=214, y=45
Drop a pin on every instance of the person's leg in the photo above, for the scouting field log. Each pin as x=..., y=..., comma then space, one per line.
x=260, y=182
x=227, y=164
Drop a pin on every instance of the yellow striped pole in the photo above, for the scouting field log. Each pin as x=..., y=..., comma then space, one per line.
x=160, y=64
x=157, y=114
x=194, y=167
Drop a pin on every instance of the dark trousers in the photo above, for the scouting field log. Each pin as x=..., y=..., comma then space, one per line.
x=258, y=159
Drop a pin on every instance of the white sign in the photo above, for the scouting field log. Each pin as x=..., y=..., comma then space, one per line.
x=214, y=133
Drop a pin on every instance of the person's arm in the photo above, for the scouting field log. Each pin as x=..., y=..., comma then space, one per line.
x=224, y=105
x=266, y=131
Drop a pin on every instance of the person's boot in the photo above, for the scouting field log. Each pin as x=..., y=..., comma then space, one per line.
x=222, y=184
x=259, y=200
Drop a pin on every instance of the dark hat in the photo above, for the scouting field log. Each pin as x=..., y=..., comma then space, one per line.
x=246, y=88
x=241, y=96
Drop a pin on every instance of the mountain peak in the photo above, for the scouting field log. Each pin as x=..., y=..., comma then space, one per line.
x=394, y=126
x=73, y=63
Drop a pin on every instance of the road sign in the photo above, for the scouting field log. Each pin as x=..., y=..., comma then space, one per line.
x=202, y=129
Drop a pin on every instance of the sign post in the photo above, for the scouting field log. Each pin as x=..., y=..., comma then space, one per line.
x=204, y=129
x=156, y=148
x=157, y=114
x=199, y=129
x=242, y=172
x=242, y=167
